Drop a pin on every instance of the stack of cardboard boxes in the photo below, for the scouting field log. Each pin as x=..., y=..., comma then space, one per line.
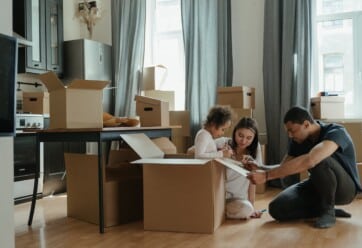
x=157, y=108
x=240, y=98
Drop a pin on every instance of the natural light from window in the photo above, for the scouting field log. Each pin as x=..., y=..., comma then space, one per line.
x=337, y=52
x=164, y=45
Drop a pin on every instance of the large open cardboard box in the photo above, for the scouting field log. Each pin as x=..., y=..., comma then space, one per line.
x=77, y=105
x=179, y=194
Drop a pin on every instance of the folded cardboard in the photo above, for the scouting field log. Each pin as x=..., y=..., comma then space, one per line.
x=163, y=95
x=152, y=112
x=327, y=107
x=77, y=105
x=122, y=190
x=180, y=194
x=36, y=102
x=236, y=97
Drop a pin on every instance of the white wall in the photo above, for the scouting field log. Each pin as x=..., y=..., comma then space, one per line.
x=247, y=35
x=75, y=29
x=7, y=233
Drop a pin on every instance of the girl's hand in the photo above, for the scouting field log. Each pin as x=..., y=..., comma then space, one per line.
x=227, y=153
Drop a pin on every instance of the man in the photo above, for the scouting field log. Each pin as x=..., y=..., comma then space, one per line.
x=327, y=151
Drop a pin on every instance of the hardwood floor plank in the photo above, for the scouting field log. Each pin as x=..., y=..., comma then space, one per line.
x=52, y=228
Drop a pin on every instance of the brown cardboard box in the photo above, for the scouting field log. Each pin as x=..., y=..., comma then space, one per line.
x=163, y=95
x=236, y=97
x=36, y=102
x=183, y=197
x=122, y=190
x=327, y=107
x=180, y=118
x=153, y=76
x=152, y=112
x=180, y=194
x=355, y=131
x=77, y=105
x=165, y=145
x=182, y=143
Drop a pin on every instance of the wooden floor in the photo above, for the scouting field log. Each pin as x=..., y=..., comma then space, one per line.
x=52, y=228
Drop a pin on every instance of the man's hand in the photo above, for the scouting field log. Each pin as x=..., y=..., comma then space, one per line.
x=258, y=176
x=251, y=165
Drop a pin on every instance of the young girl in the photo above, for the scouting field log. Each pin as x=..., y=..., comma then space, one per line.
x=240, y=193
x=206, y=143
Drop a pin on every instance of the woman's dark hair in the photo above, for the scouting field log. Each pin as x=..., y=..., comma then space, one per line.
x=298, y=115
x=218, y=116
x=248, y=123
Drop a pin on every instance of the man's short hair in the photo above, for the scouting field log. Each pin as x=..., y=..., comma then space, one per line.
x=298, y=115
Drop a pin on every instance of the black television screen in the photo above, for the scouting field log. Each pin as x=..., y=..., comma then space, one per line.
x=8, y=71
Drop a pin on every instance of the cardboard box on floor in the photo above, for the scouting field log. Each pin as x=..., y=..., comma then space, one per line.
x=77, y=105
x=36, y=102
x=181, y=195
x=122, y=188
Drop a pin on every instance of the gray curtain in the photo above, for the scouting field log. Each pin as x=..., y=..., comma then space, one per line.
x=286, y=68
x=128, y=38
x=208, y=55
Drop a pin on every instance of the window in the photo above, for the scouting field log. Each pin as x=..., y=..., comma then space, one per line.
x=337, y=55
x=164, y=45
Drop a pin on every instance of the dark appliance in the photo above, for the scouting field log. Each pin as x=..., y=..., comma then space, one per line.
x=25, y=156
x=8, y=70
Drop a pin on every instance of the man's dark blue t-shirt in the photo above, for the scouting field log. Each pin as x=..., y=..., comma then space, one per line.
x=345, y=153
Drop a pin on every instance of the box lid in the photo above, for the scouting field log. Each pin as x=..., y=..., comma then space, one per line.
x=233, y=89
x=327, y=99
x=35, y=94
x=142, y=145
x=149, y=100
x=87, y=84
x=51, y=81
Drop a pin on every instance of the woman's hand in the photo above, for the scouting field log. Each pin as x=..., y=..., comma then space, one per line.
x=250, y=165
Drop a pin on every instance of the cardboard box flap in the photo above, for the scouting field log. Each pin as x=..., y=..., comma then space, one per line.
x=234, y=88
x=87, y=84
x=234, y=165
x=327, y=99
x=142, y=145
x=171, y=161
x=51, y=81
x=148, y=100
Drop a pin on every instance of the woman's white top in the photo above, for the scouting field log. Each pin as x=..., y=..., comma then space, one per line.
x=237, y=186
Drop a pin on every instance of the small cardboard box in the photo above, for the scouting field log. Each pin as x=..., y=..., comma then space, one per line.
x=36, y=102
x=153, y=76
x=152, y=112
x=78, y=105
x=355, y=131
x=122, y=190
x=163, y=95
x=327, y=107
x=180, y=194
x=236, y=97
